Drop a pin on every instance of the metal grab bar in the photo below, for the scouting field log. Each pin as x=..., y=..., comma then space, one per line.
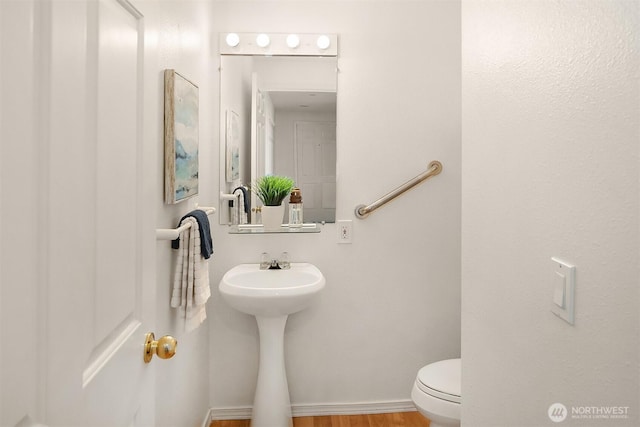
x=362, y=211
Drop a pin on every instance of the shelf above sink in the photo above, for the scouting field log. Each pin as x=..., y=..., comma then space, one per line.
x=284, y=228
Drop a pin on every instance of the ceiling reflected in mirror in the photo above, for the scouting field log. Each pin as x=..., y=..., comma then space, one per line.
x=312, y=102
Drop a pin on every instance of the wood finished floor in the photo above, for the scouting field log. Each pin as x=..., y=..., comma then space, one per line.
x=396, y=419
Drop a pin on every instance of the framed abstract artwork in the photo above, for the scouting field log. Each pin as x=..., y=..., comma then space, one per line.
x=180, y=138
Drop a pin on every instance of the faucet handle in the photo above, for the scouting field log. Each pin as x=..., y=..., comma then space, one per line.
x=284, y=260
x=265, y=261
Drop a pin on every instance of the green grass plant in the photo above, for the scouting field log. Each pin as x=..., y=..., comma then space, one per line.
x=272, y=189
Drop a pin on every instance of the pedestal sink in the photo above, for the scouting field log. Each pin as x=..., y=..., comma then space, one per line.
x=271, y=295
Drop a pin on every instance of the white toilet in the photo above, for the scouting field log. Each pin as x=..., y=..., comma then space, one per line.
x=436, y=392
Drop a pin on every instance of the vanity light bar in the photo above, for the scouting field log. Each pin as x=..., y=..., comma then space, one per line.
x=273, y=44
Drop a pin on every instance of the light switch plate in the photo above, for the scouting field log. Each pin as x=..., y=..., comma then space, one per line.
x=564, y=283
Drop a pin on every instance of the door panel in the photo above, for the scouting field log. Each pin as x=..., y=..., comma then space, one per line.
x=315, y=146
x=117, y=241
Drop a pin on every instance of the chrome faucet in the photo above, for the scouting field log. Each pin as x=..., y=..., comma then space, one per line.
x=268, y=263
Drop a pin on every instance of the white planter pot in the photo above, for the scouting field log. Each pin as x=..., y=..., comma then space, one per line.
x=272, y=217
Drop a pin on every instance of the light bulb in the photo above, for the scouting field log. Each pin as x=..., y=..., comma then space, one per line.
x=323, y=42
x=233, y=39
x=293, y=41
x=262, y=40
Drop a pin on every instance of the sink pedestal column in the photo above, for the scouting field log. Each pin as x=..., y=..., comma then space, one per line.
x=271, y=404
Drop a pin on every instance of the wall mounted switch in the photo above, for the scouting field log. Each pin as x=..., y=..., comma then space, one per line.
x=559, y=289
x=564, y=283
x=344, y=231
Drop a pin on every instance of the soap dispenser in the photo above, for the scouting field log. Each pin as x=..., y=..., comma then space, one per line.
x=295, y=208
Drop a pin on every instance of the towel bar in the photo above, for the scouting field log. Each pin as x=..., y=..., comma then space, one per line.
x=174, y=233
x=224, y=196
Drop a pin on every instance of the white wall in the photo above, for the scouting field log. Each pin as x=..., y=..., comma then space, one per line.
x=550, y=127
x=392, y=301
x=178, y=36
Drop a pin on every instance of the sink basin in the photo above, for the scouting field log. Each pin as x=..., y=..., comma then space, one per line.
x=271, y=292
x=271, y=296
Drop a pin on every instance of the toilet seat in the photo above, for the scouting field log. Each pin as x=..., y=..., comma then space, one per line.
x=442, y=380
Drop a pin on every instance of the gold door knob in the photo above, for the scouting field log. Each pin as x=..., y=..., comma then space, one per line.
x=164, y=348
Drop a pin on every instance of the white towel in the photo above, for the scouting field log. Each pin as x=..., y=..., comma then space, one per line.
x=239, y=216
x=191, y=281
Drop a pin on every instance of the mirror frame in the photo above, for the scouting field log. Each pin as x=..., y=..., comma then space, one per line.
x=247, y=44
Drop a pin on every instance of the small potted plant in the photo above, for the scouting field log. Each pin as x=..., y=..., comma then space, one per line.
x=272, y=190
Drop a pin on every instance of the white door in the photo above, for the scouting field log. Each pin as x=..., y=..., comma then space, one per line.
x=262, y=137
x=315, y=147
x=95, y=234
x=101, y=237
x=257, y=141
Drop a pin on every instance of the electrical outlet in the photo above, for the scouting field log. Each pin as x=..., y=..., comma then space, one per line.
x=345, y=231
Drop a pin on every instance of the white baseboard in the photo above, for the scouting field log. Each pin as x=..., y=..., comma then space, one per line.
x=352, y=408
x=236, y=413
x=207, y=419
x=239, y=413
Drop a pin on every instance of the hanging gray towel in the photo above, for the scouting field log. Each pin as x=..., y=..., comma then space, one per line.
x=206, y=242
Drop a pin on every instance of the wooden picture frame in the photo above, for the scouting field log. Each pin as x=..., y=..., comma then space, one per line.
x=180, y=138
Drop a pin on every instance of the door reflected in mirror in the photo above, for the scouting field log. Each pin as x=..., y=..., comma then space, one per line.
x=279, y=118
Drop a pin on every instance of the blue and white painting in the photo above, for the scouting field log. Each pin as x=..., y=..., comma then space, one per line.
x=185, y=140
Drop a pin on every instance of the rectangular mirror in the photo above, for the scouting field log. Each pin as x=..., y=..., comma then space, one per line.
x=278, y=116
